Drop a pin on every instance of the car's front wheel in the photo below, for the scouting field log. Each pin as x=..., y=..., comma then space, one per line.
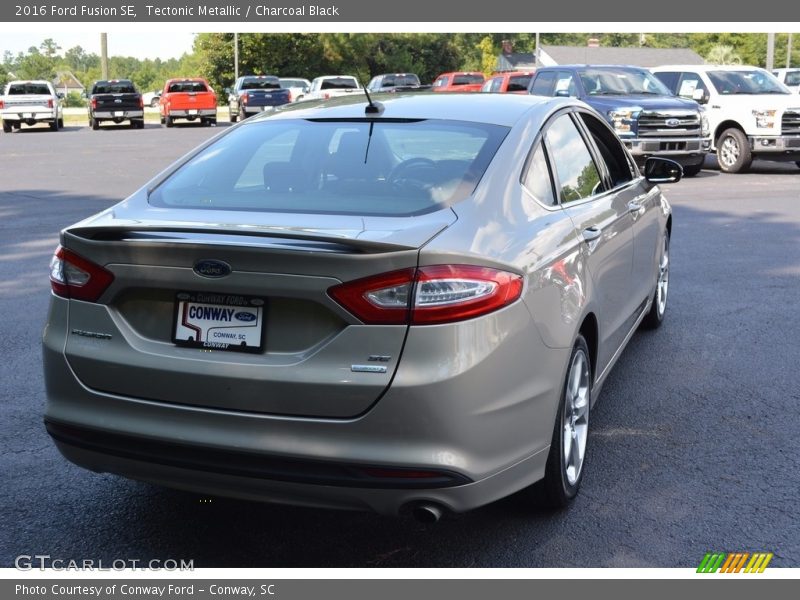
x=733, y=151
x=564, y=469
x=692, y=170
x=6, y=126
x=658, y=308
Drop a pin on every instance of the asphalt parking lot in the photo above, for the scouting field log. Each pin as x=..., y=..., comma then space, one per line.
x=695, y=444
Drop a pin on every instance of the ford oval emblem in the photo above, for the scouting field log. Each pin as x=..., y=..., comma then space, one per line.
x=212, y=268
x=245, y=316
x=673, y=122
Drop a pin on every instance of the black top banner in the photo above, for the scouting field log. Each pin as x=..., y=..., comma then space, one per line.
x=420, y=11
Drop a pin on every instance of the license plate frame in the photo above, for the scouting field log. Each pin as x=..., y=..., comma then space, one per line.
x=227, y=330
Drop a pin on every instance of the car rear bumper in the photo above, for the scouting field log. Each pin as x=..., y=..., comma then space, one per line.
x=482, y=433
x=252, y=110
x=27, y=115
x=192, y=113
x=119, y=114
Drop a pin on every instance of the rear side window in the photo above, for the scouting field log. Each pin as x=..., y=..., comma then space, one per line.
x=467, y=79
x=792, y=78
x=537, y=179
x=578, y=177
x=392, y=168
x=543, y=84
x=23, y=89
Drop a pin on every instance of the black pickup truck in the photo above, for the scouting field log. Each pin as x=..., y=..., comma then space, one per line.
x=116, y=100
x=255, y=93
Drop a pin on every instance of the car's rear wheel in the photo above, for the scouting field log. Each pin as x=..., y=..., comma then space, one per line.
x=94, y=124
x=733, y=151
x=54, y=125
x=61, y=123
x=658, y=308
x=564, y=469
x=797, y=162
x=232, y=116
x=6, y=127
x=168, y=121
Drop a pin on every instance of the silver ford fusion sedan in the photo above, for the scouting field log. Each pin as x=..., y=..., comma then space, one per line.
x=406, y=306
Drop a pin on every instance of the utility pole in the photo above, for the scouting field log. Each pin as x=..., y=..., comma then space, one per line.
x=236, y=56
x=789, y=52
x=537, y=50
x=104, y=54
x=770, y=51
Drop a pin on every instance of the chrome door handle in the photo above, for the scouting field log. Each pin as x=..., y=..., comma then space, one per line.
x=635, y=206
x=590, y=234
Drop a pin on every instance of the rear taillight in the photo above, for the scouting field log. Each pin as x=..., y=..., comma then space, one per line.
x=141, y=102
x=428, y=295
x=245, y=98
x=94, y=103
x=72, y=276
x=50, y=103
x=2, y=105
x=290, y=96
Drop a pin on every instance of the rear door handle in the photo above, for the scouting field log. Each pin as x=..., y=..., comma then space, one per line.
x=590, y=234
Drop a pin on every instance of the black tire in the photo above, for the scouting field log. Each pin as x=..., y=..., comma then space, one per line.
x=797, y=162
x=658, y=309
x=733, y=151
x=6, y=126
x=559, y=485
x=154, y=103
x=168, y=121
x=53, y=125
x=692, y=170
x=232, y=116
x=94, y=123
x=61, y=123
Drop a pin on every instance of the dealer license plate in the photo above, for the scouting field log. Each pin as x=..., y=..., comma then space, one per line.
x=193, y=111
x=219, y=321
x=118, y=113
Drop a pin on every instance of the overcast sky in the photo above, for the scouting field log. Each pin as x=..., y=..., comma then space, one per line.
x=141, y=45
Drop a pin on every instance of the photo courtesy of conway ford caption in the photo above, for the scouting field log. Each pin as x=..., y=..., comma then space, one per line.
x=403, y=303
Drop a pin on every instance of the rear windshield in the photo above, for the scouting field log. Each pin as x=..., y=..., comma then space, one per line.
x=258, y=83
x=398, y=80
x=21, y=89
x=339, y=83
x=187, y=86
x=467, y=79
x=113, y=87
x=519, y=83
x=391, y=168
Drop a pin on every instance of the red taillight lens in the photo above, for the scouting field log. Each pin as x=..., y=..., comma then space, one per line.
x=428, y=295
x=290, y=95
x=50, y=103
x=141, y=102
x=245, y=98
x=94, y=103
x=2, y=105
x=72, y=276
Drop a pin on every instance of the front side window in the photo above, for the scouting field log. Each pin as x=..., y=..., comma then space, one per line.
x=519, y=83
x=578, y=176
x=391, y=168
x=467, y=79
x=689, y=83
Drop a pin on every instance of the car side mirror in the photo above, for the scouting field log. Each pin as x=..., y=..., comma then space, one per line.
x=60, y=95
x=662, y=170
x=227, y=90
x=700, y=96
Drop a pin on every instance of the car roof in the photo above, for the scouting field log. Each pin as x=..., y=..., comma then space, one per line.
x=496, y=109
x=706, y=68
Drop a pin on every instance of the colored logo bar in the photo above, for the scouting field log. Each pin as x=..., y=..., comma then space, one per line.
x=734, y=562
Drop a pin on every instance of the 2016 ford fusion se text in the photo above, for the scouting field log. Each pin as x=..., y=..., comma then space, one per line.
x=406, y=304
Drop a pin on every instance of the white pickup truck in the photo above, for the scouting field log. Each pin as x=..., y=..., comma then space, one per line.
x=750, y=113
x=331, y=86
x=30, y=102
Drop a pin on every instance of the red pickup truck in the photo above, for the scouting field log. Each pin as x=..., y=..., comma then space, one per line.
x=191, y=99
x=515, y=82
x=458, y=82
